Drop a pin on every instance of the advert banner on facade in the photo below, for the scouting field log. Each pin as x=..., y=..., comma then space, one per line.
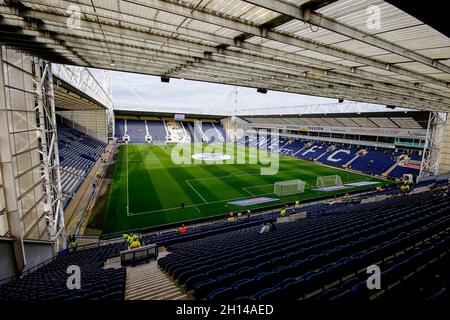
x=386, y=132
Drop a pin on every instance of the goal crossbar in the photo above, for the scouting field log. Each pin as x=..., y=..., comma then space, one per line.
x=329, y=181
x=288, y=187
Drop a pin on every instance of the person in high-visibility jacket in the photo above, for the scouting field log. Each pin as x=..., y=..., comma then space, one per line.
x=73, y=243
x=135, y=243
x=297, y=204
x=403, y=188
x=130, y=238
x=283, y=212
x=239, y=215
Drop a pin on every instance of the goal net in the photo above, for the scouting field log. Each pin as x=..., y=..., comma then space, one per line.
x=329, y=181
x=288, y=187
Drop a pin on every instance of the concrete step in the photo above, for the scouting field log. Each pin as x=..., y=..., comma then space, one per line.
x=148, y=282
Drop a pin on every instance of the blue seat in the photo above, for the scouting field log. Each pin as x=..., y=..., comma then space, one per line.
x=204, y=287
x=284, y=271
x=441, y=295
x=271, y=294
x=114, y=296
x=349, y=283
x=221, y=294
x=266, y=280
x=192, y=281
x=244, y=286
x=285, y=282
x=342, y=296
x=294, y=290
x=327, y=294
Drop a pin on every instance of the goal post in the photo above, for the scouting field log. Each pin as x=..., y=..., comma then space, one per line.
x=288, y=187
x=329, y=181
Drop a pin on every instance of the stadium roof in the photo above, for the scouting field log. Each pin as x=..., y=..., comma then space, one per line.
x=318, y=47
x=76, y=88
x=391, y=119
x=322, y=109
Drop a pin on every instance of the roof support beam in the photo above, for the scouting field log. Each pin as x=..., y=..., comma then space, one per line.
x=294, y=11
x=309, y=90
x=155, y=47
x=240, y=64
x=194, y=75
x=287, y=82
x=208, y=72
x=351, y=74
x=134, y=45
x=200, y=14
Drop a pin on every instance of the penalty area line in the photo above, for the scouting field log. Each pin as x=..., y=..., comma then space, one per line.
x=198, y=193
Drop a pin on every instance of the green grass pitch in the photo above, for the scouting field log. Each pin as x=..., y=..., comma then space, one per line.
x=153, y=186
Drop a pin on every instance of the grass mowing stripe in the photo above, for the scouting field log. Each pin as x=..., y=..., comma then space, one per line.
x=143, y=191
x=157, y=184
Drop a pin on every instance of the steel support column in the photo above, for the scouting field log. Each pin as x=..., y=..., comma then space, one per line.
x=50, y=153
x=433, y=144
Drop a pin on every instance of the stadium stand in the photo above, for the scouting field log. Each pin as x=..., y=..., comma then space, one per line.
x=340, y=156
x=168, y=131
x=364, y=181
x=50, y=281
x=196, y=135
x=429, y=284
x=78, y=154
x=157, y=130
x=176, y=132
x=301, y=258
x=220, y=129
x=374, y=161
x=136, y=131
x=211, y=132
x=169, y=238
x=322, y=257
x=120, y=128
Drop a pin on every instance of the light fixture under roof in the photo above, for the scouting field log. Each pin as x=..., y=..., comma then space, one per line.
x=112, y=64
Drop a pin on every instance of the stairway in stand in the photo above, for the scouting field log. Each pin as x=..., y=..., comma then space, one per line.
x=148, y=282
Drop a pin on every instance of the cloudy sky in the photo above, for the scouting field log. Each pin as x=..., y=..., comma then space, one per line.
x=143, y=90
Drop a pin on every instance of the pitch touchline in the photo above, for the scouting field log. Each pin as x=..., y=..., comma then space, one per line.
x=128, y=196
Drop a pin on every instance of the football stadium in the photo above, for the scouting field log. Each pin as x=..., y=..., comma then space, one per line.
x=241, y=151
